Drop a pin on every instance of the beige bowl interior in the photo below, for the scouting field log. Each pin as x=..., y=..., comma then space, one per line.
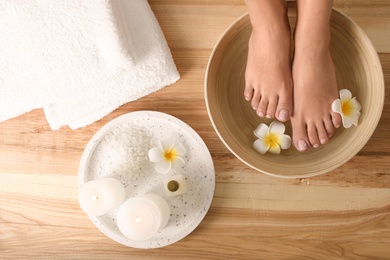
x=358, y=69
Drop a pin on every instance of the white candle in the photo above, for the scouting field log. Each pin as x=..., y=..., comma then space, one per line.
x=139, y=218
x=98, y=197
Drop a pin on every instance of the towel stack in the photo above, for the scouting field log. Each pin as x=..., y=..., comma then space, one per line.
x=79, y=60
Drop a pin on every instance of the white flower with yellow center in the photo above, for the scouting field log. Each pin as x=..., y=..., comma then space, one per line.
x=168, y=155
x=348, y=107
x=271, y=139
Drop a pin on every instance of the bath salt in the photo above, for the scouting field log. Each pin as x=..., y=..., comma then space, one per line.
x=122, y=151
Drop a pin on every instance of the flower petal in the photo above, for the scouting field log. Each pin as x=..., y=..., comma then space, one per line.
x=167, y=144
x=155, y=154
x=178, y=163
x=179, y=149
x=347, y=121
x=355, y=104
x=336, y=106
x=345, y=94
x=163, y=166
x=285, y=141
x=261, y=130
x=274, y=149
x=277, y=128
x=355, y=117
x=260, y=146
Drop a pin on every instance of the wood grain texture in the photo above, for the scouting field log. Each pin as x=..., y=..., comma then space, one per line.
x=344, y=214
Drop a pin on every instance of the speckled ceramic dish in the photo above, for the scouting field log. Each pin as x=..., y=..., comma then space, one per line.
x=120, y=150
x=358, y=69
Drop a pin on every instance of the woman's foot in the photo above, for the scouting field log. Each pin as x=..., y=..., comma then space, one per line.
x=315, y=86
x=268, y=80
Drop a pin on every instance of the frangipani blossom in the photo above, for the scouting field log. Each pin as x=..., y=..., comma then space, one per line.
x=271, y=138
x=168, y=155
x=348, y=107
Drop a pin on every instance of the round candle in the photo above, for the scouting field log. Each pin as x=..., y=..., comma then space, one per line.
x=98, y=197
x=139, y=218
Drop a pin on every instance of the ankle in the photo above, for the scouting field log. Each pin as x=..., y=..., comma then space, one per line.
x=270, y=38
x=313, y=41
x=276, y=28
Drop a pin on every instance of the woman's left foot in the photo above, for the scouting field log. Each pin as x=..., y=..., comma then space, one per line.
x=315, y=88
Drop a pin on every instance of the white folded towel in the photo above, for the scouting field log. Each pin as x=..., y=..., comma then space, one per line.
x=79, y=59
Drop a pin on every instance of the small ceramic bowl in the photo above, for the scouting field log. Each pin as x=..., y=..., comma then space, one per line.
x=357, y=68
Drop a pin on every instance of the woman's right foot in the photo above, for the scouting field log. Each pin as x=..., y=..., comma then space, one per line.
x=268, y=80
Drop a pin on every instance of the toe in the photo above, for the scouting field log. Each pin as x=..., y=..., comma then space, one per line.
x=262, y=107
x=271, y=108
x=248, y=92
x=336, y=119
x=255, y=100
x=300, y=139
x=283, y=115
x=313, y=135
x=329, y=127
x=284, y=109
x=322, y=133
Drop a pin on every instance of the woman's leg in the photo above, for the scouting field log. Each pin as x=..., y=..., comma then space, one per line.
x=315, y=86
x=268, y=80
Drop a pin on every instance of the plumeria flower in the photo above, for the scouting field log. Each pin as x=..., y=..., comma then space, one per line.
x=271, y=138
x=168, y=155
x=348, y=107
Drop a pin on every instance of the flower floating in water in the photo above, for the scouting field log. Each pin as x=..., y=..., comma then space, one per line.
x=271, y=138
x=348, y=107
x=168, y=155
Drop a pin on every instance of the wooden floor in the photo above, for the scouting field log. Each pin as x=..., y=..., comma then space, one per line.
x=344, y=214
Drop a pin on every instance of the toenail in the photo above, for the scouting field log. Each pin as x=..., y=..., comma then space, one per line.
x=323, y=141
x=316, y=145
x=268, y=116
x=302, y=145
x=261, y=114
x=247, y=98
x=283, y=115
